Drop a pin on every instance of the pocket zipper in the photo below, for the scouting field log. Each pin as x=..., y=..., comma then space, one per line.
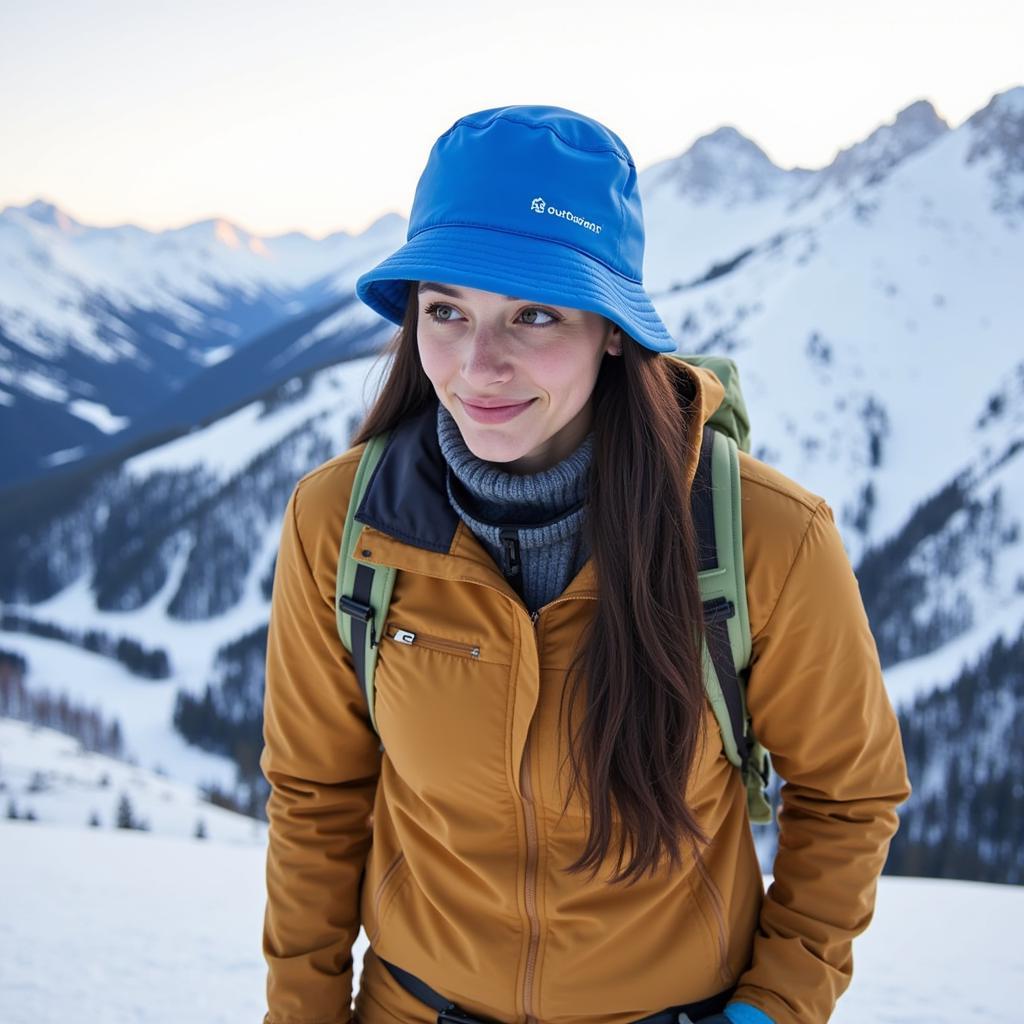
x=437, y=643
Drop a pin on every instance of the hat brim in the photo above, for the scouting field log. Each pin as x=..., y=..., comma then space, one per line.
x=513, y=264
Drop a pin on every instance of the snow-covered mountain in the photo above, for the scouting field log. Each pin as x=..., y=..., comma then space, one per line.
x=873, y=325
x=100, y=327
x=874, y=310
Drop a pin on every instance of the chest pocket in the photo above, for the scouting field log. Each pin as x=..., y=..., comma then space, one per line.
x=441, y=708
x=396, y=633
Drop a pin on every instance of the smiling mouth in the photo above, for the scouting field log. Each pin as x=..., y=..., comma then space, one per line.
x=492, y=403
x=494, y=413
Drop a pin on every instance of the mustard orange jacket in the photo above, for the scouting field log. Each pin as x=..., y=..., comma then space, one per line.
x=448, y=847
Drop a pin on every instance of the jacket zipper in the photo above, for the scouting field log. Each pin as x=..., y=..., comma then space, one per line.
x=530, y=883
x=437, y=643
x=510, y=549
x=529, y=813
x=531, y=830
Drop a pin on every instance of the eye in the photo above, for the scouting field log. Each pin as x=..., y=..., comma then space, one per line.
x=441, y=313
x=543, y=312
x=433, y=307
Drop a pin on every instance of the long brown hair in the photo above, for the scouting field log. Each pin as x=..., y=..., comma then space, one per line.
x=641, y=653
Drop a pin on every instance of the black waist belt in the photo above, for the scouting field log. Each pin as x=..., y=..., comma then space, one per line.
x=447, y=1011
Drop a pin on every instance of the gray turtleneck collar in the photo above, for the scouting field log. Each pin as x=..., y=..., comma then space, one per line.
x=541, y=514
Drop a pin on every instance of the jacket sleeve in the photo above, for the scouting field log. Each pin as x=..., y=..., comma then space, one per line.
x=322, y=760
x=818, y=703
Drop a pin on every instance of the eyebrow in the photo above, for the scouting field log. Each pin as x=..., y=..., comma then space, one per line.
x=431, y=286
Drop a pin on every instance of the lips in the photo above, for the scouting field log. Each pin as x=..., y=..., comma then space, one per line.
x=494, y=403
x=494, y=410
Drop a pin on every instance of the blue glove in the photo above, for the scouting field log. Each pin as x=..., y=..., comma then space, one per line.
x=741, y=1013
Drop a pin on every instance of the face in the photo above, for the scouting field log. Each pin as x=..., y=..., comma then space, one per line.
x=517, y=376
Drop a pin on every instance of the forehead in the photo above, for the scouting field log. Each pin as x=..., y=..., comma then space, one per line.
x=462, y=292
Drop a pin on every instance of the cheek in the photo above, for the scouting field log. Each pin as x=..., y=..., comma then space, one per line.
x=567, y=374
x=435, y=360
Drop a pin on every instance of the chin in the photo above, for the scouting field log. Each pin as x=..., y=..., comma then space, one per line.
x=494, y=452
x=491, y=448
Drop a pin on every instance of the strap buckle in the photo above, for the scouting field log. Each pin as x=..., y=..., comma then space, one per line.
x=363, y=612
x=358, y=610
x=717, y=609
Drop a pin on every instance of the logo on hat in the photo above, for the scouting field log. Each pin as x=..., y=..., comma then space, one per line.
x=540, y=206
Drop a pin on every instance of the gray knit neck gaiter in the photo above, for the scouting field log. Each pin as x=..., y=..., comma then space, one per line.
x=540, y=514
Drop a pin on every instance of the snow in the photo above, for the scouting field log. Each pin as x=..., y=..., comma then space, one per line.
x=916, y=677
x=72, y=784
x=138, y=928
x=144, y=708
x=227, y=445
x=64, y=455
x=98, y=415
x=215, y=355
x=37, y=384
x=349, y=316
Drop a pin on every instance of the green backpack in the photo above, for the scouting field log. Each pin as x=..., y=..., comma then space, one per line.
x=722, y=581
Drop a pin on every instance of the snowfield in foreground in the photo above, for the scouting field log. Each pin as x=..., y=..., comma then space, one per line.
x=114, y=926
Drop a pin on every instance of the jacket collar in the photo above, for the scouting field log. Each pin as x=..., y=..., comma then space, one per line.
x=406, y=496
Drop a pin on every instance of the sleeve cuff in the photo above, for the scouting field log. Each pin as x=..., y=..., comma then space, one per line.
x=744, y=1013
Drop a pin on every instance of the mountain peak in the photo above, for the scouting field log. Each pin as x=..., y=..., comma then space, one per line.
x=43, y=212
x=916, y=126
x=997, y=136
x=728, y=139
x=920, y=115
x=221, y=232
x=723, y=163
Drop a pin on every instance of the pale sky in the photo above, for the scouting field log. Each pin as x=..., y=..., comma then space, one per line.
x=319, y=116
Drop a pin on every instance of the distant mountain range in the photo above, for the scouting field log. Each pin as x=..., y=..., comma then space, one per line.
x=873, y=308
x=109, y=335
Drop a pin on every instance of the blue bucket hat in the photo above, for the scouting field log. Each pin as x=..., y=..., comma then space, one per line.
x=537, y=202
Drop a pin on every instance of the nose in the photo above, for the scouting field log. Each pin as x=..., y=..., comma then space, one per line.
x=485, y=360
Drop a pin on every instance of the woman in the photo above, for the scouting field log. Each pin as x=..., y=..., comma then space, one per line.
x=546, y=828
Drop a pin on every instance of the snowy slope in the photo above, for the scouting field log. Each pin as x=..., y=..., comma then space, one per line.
x=144, y=929
x=842, y=323
x=221, y=456
x=51, y=776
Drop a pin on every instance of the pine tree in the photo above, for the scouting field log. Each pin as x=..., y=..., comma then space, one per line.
x=125, y=816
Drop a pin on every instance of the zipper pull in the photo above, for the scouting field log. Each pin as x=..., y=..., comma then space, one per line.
x=510, y=546
x=534, y=616
x=404, y=636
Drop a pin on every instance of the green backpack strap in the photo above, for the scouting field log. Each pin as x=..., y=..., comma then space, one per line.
x=727, y=647
x=723, y=586
x=362, y=591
